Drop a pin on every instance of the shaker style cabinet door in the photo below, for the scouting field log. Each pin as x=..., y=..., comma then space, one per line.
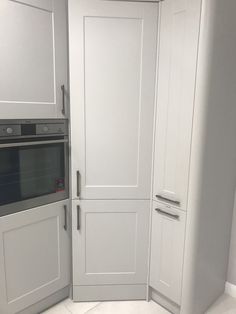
x=179, y=28
x=33, y=54
x=34, y=255
x=167, y=251
x=112, y=75
x=110, y=243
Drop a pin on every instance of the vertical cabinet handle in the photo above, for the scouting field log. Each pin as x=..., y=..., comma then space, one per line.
x=63, y=110
x=78, y=217
x=78, y=183
x=65, y=215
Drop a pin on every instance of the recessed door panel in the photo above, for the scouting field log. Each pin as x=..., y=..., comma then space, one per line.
x=24, y=243
x=112, y=100
x=118, y=249
x=42, y=4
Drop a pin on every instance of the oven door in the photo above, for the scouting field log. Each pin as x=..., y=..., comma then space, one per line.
x=32, y=173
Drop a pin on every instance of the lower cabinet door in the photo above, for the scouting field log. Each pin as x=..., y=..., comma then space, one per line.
x=110, y=242
x=167, y=250
x=34, y=255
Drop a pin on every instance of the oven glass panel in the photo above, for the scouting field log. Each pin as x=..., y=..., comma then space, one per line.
x=31, y=171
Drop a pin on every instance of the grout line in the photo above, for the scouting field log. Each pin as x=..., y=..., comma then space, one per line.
x=67, y=307
x=93, y=307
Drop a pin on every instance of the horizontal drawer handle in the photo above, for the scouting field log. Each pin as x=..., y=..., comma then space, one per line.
x=167, y=199
x=175, y=216
x=34, y=143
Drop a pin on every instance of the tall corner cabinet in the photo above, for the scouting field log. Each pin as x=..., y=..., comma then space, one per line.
x=153, y=125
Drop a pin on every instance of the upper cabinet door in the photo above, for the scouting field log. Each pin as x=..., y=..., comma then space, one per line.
x=112, y=75
x=179, y=28
x=33, y=54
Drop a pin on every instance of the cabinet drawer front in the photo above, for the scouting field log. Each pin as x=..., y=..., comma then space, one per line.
x=167, y=249
x=179, y=30
x=110, y=242
x=112, y=97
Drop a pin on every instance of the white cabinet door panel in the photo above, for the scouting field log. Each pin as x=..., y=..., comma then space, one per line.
x=34, y=256
x=33, y=53
x=110, y=246
x=167, y=250
x=112, y=57
x=179, y=28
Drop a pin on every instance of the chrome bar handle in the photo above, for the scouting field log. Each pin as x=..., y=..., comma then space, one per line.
x=162, y=198
x=32, y=143
x=63, y=110
x=78, y=183
x=175, y=216
x=65, y=213
x=78, y=217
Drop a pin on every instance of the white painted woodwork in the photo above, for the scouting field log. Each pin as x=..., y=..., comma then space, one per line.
x=167, y=251
x=33, y=53
x=179, y=31
x=109, y=292
x=213, y=159
x=112, y=75
x=111, y=247
x=34, y=256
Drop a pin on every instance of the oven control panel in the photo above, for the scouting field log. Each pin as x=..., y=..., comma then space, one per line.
x=10, y=130
x=50, y=129
x=14, y=128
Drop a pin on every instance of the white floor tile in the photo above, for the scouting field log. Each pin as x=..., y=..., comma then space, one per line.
x=224, y=305
x=57, y=309
x=128, y=307
x=79, y=307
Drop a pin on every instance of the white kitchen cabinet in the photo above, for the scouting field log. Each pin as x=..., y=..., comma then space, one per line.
x=112, y=77
x=179, y=31
x=33, y=53
x=110, y=249
x=167, y=251
x=34, y=255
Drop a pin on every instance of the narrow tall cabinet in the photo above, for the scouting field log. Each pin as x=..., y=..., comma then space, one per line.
x=195, y=154
x=177, y=60
x=112, y=77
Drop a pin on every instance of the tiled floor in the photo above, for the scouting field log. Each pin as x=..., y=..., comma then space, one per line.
x=125, y=307
x=225, y=305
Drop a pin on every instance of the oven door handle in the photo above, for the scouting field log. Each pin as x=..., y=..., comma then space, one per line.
x=8, y=145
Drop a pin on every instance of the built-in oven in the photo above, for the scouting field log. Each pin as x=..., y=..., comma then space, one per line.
x=33, y=163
